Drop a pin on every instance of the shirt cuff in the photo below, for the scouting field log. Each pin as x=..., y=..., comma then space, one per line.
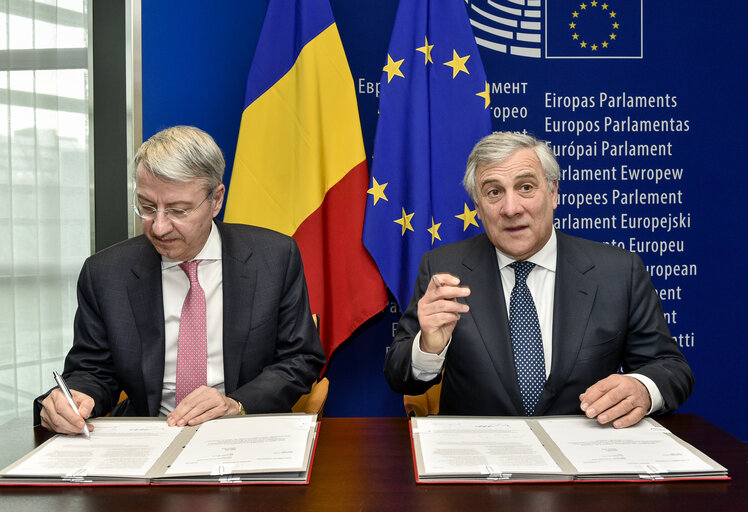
x=654, y=394
x=425, y=366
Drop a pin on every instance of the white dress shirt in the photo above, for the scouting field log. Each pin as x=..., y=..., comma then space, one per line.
x=541, y=281
x=175, y=285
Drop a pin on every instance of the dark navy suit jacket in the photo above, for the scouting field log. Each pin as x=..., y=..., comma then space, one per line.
x=606, y=316
x=271, y=350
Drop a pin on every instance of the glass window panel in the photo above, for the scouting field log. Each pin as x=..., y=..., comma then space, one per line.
x=8, y=399
x=72, y=5
x=21, y=81
x=3, y=32
x=49, y=35
x=20, y=32
x=45, y=35
x=45, y=217
x=65, y=83
x=71, y=37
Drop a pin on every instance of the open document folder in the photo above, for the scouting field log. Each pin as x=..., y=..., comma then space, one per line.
x=273, y=448
x=554, y=448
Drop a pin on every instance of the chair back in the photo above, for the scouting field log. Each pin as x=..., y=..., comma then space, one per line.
x=425, y=404
x=314, y=401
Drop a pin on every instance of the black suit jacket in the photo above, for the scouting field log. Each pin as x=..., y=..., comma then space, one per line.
x=606, y=316
x=271, y=350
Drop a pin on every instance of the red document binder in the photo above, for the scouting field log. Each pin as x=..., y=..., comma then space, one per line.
x=489, y=450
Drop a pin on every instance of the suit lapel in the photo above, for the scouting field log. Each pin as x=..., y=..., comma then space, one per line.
x=574, y=296
x=239, y=284
x=488, y=310
x=146, y=301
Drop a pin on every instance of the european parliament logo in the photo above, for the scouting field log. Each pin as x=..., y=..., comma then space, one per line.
x=560, y=29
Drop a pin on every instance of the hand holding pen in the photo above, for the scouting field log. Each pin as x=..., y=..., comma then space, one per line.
x=439, y=310
x=65, y=411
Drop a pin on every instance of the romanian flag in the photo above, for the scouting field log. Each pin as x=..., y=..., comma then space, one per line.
x=300, y=166
x=433, y=109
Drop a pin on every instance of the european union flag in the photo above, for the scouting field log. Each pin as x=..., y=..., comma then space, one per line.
x=594, y=29
x=433, y=109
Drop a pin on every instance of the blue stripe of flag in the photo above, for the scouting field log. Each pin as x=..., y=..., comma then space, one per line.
x=281, y=42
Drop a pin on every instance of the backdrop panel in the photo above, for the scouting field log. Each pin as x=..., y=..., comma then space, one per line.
x=646, y=117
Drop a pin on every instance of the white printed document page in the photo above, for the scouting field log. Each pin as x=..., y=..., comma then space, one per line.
x=479, y=446
x=644, y=448
x=235, y=445
x=115, y=449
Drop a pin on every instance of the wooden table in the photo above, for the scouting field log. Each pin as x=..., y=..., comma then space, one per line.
x=365, y=464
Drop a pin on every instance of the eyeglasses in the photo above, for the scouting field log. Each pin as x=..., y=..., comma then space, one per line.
x=173, y=214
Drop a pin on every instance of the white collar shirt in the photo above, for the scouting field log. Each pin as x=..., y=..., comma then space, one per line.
x=175, y=285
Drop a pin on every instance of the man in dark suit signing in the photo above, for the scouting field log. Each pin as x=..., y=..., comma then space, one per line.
x=194, y=320
x=525, y=320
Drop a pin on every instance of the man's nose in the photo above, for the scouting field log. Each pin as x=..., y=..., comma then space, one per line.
x=161, y=224
x=511, y=205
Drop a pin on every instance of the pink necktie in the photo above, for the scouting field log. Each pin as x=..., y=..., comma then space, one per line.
x=193, y=337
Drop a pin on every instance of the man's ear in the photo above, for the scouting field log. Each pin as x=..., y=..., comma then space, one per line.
x=554, y=194
x=218, y=195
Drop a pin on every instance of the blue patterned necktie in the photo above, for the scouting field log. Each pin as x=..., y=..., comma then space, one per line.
x=527, y=341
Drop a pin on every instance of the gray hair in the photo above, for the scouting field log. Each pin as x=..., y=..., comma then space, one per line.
x=498, y=146
x=182, y=154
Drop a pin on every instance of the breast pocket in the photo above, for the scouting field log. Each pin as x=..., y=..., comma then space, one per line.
x=600, y=349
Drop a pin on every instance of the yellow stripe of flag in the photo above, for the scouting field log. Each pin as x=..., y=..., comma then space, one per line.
x=288, y=154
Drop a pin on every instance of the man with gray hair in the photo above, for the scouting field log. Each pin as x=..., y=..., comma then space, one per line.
x=195, y=319
x=525, y=320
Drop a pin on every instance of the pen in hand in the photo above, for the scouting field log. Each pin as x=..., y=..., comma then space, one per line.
x=66, y=391
x=439, y=284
